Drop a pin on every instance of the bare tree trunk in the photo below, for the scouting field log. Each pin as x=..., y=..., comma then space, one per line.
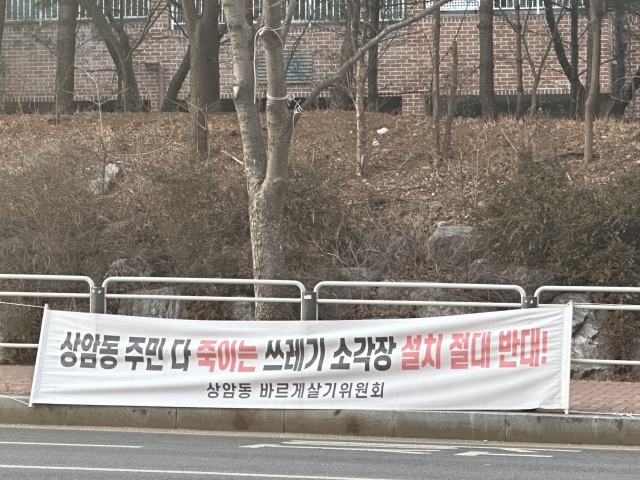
x=360, y=121
x=570, y=70
x=595, y=24
x=533, y=109
x=343, y=93
x=520, y=80
x=619, y=69
x=131, y=99
x=109, y=19
x=435, y=91
x=131, y=94
x=359, y=33
x=265, y=168
x=204, y=45
x=170, y=102
x=373, y=101
x=487, y=90
x=451, y=101
x=128, y=91
x=577, y=92
x=536, y=72
x=620, y=104
x=3, y=13
x=65, y=72
x=115, y=56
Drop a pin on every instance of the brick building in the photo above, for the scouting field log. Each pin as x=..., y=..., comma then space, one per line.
x=29, y=44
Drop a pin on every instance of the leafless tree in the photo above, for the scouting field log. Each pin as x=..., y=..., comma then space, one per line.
x=622, y=87
x=487, y=90
x=373, y=101
x=3, y=12
x=435, y=91
x=596, y=12
x=204, y=45
x=170, y=102
x=447, y=143
x=66, y=51
x=569, y=68
x=266, y=160
x=536, y=71
x=122, y=40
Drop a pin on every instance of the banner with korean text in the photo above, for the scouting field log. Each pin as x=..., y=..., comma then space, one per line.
x=508, y=360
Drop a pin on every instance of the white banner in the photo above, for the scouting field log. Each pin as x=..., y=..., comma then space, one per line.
x=509, y=360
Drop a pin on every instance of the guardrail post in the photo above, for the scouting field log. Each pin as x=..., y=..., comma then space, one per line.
x=309, y=306
x=529, y=302
x=97, y=300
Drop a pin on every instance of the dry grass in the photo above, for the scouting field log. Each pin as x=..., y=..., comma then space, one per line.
x=194, y=215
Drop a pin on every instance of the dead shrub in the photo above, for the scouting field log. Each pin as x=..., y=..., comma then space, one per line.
x=542, y=219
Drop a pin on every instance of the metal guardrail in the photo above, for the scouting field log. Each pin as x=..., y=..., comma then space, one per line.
x=420, y=285
x=309, y=301
x=31, y=294
x=205, y=298
x=594, y=306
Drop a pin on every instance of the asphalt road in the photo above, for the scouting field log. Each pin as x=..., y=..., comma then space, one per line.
x=65, y=453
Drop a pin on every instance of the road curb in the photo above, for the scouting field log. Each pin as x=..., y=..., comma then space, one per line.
x=490, y=426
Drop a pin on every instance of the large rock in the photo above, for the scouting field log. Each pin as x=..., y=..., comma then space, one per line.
x=151, y=307
x=451, y=246
x=483, y=271
x=103, y=178
x=586, y=338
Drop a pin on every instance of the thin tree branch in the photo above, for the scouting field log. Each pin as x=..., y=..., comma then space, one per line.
x=329, y=81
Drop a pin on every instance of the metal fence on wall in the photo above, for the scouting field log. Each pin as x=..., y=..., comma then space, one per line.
x=308, y=11
x=305, y=11
x=43, y=10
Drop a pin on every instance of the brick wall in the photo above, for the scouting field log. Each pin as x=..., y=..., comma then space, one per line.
x=405, y=66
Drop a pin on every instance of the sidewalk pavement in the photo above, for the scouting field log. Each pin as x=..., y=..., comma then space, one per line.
x=602, y=413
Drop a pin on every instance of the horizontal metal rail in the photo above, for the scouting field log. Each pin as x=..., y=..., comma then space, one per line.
x=56, y=278
x=304, y=313
x=561, y=288
x=591, y=306
x=45, y=295
x=48, y=278
x=598, y=306
x=203, y=281
x=18, y=345
x=342, y=301
x=593, y=361
x=594, y=306
x=421, y=285
x=195, y=298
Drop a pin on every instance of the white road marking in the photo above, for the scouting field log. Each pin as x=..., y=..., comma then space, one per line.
x=70, y=445
x=344, y=449
x=478, y=453
x=181, y=472
x=431, y=446
x=402, y=446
